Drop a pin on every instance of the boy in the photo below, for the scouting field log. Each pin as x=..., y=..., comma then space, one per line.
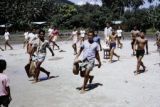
x=112, y=44
x=140, y=42
x=5, y=96
x=7, y=38
x=134, y=34
x=39, y=48
x=90, y=52
x=53, y=37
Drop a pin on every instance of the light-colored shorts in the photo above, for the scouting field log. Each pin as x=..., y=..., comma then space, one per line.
x=38, y=58
x=87, y=64
x=54, y=38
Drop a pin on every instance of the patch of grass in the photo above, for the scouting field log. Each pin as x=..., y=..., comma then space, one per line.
x=151, y=31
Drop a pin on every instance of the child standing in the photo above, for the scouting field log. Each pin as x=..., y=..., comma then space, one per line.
x=5, y=96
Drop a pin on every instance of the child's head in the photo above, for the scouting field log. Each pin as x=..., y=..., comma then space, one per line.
x=3, y=65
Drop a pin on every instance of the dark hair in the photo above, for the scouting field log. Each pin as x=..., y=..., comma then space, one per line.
x=3, y=65
x=41, y=31
x=91, y=31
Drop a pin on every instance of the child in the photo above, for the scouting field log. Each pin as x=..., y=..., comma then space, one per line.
x=90, y=53
x=39, y=48
x=5, y=96
x=7, y=38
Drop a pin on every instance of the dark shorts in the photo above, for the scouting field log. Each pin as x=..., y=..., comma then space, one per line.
x=4, y=100
x=139, y=53
x=112, y=45
x=133, y=42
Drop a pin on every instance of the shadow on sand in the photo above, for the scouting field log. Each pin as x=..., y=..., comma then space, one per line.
x=157, y=64
x=45, y=78
x=140, y=71
x=113, y=61
x=91, y=86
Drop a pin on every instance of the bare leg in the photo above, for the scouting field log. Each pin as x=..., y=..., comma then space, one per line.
x=82, y=74
x=119, y=42
x=132, y=45
x=138, y=64
x=111, y=54
x=45, y=71
x=143, y=66
x=116, y=55
x=56, y=45
x=7, y=43
x=86, y=78
x=74, y=48
x=53, y=44
x=38, y=64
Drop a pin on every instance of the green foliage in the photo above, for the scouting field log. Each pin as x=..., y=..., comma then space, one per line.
x=66, y=15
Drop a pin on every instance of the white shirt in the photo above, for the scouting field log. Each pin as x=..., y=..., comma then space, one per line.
x=32, y=37
x=6, y=35
x=158, y=33
x=26, y=35
x=89, y=50
x=82, y=32
x=107, y=31
x=75, y=38
x=119, y=32
x=41, y=47
x=50, y=31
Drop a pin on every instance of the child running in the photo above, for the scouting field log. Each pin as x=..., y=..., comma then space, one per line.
x=39, y=48
x=7, y=38
x=90, y=52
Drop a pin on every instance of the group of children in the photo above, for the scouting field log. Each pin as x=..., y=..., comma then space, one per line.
x=36, y=48
x=90, y=45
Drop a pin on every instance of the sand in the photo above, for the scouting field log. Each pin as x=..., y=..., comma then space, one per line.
x=114, y=85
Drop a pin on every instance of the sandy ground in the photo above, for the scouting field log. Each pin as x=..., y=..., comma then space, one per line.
x=114, y=85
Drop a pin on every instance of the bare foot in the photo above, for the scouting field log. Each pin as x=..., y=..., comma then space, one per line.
x=136, y=72
x=82, y=91
x=35, y=81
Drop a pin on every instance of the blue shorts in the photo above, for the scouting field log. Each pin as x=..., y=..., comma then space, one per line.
x=112, y=45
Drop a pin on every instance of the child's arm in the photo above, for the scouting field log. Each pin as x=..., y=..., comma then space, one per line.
x=98, y=59
x=147, y=46
x=50, y=49
x=9, y=93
